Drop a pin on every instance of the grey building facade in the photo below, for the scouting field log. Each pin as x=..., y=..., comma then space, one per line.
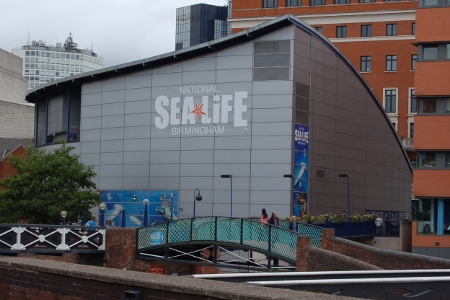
x=278, y=99
x=200, y=23
x=45, y=63
x=16, y=115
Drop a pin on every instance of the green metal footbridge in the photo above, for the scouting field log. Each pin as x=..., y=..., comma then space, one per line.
x=224, y=242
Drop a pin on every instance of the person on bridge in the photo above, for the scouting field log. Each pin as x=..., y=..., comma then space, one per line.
x=378, y=224
x=264, y=216
x=293, y=224
x=275, y=222
x=91, y=223
x=274, y=219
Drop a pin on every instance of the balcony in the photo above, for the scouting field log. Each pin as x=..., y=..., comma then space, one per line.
x=408, y=144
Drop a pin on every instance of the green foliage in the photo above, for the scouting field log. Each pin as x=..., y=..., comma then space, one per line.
x=370, y=217
x=47, y=183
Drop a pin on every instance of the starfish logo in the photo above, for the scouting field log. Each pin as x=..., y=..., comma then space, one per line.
x=198, y=111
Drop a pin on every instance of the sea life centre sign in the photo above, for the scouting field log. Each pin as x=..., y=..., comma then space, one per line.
x=196, y=110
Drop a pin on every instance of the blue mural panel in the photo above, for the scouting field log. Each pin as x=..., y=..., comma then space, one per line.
x=125, y=208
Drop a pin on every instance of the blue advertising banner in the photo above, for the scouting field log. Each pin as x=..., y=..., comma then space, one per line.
x=301, y=162
x=301, y=138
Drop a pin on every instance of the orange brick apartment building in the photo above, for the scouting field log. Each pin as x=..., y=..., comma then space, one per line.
x=408, y=70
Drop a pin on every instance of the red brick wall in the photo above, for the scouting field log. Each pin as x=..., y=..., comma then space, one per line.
x=311, y=259
x=432, y=22
x=432, y=78
x=253, y=8
x=5, y=168
x=385, y=259
x=431, y=183
x=25, y=278
x=429, y=240
x=121, y=253
x=20, y=284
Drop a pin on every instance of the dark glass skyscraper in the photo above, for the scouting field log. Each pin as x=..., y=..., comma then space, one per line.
x=200, y=23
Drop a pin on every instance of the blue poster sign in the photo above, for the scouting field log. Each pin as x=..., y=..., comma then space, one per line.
x=301, y=138
x=301, y=162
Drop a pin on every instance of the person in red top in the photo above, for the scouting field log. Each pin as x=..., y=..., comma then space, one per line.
x=264, y=216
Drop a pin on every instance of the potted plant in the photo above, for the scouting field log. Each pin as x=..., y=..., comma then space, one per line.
x=338, y=220
x=355, y=218
x=329, y=217
x=370, y=217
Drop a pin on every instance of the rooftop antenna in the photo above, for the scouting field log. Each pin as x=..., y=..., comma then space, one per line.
x=28, y=43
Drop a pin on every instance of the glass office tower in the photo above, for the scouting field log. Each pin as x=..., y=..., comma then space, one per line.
x=200, y=23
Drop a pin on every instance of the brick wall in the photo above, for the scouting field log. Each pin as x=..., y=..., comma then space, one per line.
x=121, y=253
x=26, y=278
x=385, y=259
x=314, y=259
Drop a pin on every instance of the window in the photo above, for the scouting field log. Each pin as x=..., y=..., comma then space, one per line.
x=429, y=3
x=430, y=52
x=447, y=160
x=447, y=106
x=341, y=31
x=317, y=2
x=412, y=101
x=413, y=29
x=366, y=30
x=366, y=63
x=413, y=61
x=411, y=130
x=391, y=63
x=390, y=101
x=391, y=29
x=448, y=51
x=341, y=1
x=429, y=105
x=293, y=3
x=429, y=159
x=318, y=29
x=366, y=1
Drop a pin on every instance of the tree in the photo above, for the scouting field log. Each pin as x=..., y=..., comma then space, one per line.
x=46, y=184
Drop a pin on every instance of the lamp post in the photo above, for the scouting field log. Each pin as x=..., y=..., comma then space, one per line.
x=63, y=216
x=102, y=207
x=348, y=192
x=231, y=191
x=145, y=202
x=197, y=197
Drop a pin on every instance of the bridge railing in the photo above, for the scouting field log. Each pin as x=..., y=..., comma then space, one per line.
x=277, y=240
x=38, y=238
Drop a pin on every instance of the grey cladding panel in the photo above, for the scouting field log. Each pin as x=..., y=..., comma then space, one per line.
x=274, y=73
x=301, y=103
x=301, y=117
x=272, y=46
x=272, y=60
x=302, y=90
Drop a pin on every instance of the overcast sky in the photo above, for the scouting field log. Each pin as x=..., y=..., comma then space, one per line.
x=120, y=31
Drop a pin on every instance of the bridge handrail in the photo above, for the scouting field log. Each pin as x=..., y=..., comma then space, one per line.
x=42, y=238
x=250, y=233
